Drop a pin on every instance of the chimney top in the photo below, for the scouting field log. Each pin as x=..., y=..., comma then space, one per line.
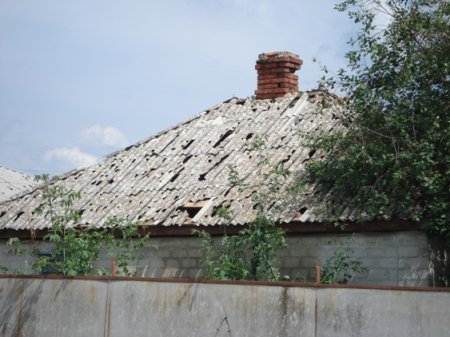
x=276, y=74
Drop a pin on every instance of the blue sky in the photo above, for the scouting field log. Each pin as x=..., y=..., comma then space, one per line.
x=81, y=79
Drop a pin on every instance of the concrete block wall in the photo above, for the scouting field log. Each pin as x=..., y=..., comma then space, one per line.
x=396, y=258
x=171, y=257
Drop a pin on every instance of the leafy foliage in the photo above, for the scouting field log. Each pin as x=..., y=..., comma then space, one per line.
x=340, y=267
x=130, y=245
x=75, y=249
x=394, y=153
x=250, y=254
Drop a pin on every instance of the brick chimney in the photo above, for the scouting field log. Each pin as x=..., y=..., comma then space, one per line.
x=276, y=74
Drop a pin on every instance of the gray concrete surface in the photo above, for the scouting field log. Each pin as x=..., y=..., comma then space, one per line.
x=45, y=308
x=115, y=308
x=394, y=258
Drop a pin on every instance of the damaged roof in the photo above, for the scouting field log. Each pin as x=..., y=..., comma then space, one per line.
x=180, y=176
x=13, y=183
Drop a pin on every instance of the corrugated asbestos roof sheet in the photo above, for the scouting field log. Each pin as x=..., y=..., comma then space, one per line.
x=180, y=176
x=13, y=183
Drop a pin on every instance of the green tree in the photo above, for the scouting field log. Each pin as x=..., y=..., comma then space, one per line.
x=251, y=253
x=75, y=249
x=393, y=154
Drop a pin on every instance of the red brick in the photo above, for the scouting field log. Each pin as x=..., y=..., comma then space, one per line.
x=267, y=65
x=273, y=91
x=281, y=70
x=268, y=86
x=283, y=80
x=276, y=74
x=296, y=61
x=286, y=85
x=267, y=76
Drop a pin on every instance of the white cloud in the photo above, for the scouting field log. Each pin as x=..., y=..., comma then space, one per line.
x=107, y=135
x=72, y=156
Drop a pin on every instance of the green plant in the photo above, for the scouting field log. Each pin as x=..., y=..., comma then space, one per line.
x=75, y=249
x=248, y=255
x=394, y=154
x=340, y=267
x=129, y=246
x=15, y=248
x=251, y=253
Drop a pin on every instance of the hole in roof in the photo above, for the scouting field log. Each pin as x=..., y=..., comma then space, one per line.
x=249, y=136
x=203, y=176
x=192, y=212
x=303, y=210
x=18, y=215
x=223, y=137
x=192, y=208
x=98, y=183
x=2, y=214
x=149, y=172
x=187, y=158
x=226, y=192
x=311, y=153
x=294, y=101
x=176, y=175
x=110, y=181
x=184, y=147
x=286, y=159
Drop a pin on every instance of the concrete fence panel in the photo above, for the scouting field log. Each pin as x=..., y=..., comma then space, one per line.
x=54, y=307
